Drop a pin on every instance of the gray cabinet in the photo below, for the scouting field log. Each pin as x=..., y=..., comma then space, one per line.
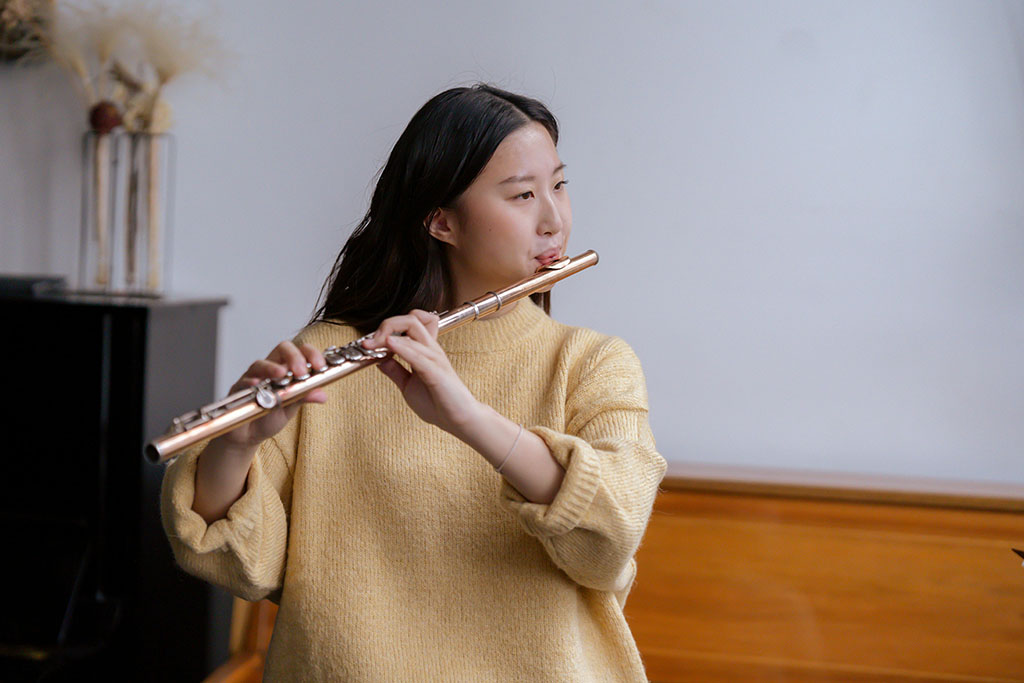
x=92, y=587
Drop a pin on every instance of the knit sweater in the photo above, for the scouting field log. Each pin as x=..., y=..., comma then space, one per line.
x=397, y=553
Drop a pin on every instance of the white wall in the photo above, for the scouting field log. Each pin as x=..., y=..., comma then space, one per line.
x=810, y=214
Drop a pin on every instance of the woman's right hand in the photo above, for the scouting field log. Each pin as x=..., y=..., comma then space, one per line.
x=285, y=357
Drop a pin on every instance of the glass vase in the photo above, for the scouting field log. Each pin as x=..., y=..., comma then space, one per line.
x=127, y=202
x=101, y=156
x=147, y=218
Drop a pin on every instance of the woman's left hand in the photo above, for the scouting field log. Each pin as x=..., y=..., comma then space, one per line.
x=433, y=390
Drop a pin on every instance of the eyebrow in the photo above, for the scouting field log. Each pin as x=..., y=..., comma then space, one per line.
x=525, y=178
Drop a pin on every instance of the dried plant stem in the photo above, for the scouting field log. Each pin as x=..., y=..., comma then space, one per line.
x=154, y=214
x=131, y=216
x=101, y=177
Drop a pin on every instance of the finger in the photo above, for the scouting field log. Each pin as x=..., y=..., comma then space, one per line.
x=424, y=316
x=281, y=352
x=395, y=372
x=429, y=320
x=265, y=369
x=244, y=383
x=313, y=357
x=290, y=410
x=315, y=396
x=292, y=358
x=415, y=329
x=394, y=325
x=374, y=340
x=414, y=353
x=410, y=324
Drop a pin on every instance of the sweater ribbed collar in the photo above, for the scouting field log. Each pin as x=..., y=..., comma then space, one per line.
x=495, y=334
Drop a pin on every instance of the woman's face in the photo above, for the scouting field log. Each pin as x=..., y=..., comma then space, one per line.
x=514, y=218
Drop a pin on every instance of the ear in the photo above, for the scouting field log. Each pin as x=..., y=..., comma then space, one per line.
x=442, y=225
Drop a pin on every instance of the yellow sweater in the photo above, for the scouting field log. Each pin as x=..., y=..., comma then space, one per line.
x=397, y=553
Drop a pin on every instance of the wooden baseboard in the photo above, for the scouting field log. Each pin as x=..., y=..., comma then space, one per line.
x=748, y=579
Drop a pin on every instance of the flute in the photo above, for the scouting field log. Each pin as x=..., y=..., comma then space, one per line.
x=252, y=403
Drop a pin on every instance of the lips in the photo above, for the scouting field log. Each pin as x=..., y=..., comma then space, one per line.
x=549, y=256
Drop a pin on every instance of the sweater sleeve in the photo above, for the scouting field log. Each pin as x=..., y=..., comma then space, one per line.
x=593, y=527
x=245, y=551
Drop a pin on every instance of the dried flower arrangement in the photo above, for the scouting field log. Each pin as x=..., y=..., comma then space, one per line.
x=20, y=25
x=122, y=59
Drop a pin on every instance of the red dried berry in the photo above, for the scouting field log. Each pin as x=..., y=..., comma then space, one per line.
x=104, y=117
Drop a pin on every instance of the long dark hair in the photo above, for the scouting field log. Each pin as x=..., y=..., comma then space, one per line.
x=391, y=264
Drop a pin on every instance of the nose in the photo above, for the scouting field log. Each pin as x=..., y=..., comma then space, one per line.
x=551, y=219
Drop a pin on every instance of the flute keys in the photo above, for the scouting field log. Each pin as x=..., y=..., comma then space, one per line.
x=265, y=397
x=355, y=353
x=282, y=382
x=306, y=376
x=352, y=352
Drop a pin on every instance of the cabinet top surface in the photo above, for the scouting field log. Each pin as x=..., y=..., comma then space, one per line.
x=81, y=298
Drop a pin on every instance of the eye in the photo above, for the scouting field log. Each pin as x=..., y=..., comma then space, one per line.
x=524, y=195
x=561, y=184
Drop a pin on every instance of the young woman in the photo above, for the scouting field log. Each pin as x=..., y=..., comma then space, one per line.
x=471, y=511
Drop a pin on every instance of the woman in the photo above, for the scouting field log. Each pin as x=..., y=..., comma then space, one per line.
x=394, y=549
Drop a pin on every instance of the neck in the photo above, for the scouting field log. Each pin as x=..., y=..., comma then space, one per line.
x=518, y=321
x=465, y=288
x=457, y=299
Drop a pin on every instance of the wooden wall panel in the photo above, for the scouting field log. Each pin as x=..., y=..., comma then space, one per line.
x=775, y=585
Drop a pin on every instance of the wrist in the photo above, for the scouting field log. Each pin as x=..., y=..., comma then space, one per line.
x=474, y=425
x=490, y=434
x=225, y=449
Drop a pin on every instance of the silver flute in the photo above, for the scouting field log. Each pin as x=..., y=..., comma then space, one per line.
x=253, y=403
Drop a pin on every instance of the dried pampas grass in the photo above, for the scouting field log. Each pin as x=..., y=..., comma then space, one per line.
x=164, y=46
x=20, y=26
x=126, y=55
x=122, y=58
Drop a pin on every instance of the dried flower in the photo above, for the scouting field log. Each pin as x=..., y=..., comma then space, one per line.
x=104, y=117
x=126, y=56
x=20, y=25
x=167, y=46
x=173, y=45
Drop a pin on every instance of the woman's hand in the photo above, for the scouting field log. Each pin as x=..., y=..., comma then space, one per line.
x=432, y=389
x=285, y=357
